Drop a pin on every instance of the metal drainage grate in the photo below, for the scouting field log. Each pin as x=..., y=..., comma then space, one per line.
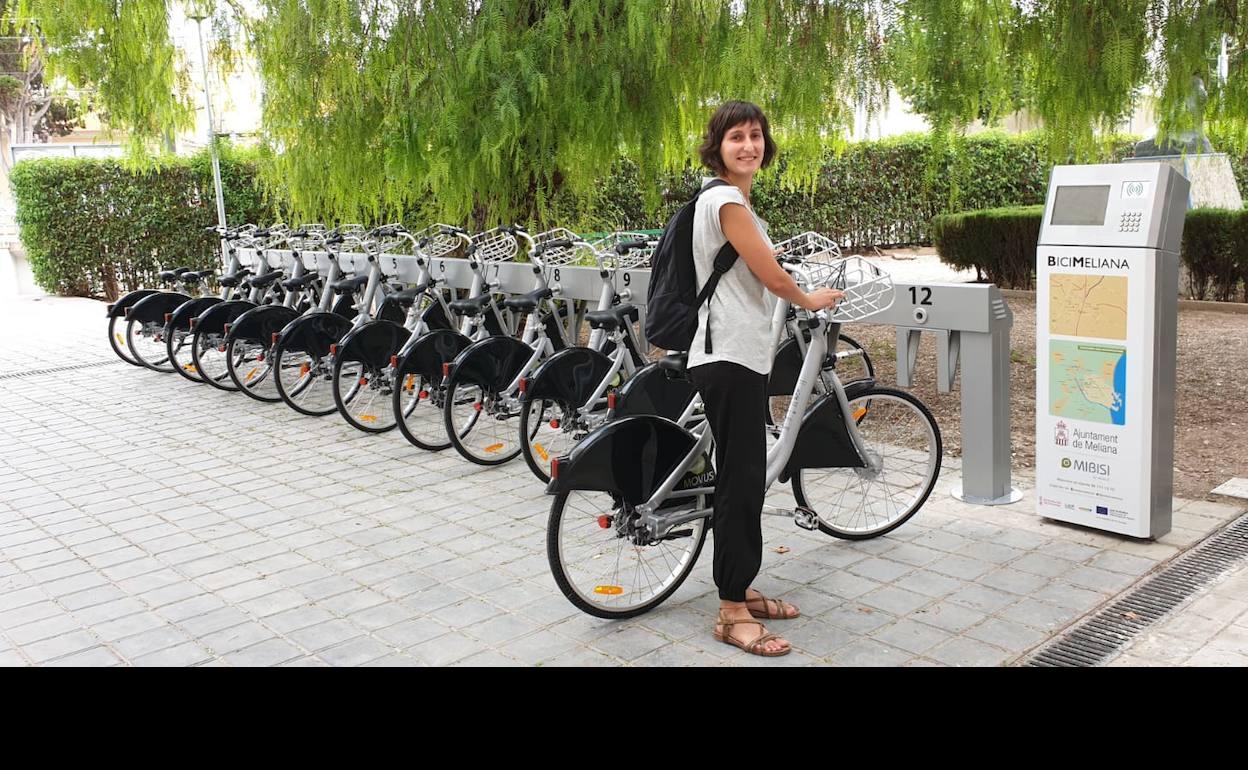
x=53, y=370
x=1094, y=640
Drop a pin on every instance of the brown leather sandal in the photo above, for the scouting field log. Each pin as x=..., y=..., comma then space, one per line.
x=784, y=610
x=754, y=646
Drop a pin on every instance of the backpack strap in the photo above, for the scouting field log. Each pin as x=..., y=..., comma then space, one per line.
x=724, y=260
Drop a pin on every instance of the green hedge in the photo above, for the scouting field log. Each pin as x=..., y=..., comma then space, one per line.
x=881, y=193
x=1000, y=243
x=1215, y=253
x=93, y=228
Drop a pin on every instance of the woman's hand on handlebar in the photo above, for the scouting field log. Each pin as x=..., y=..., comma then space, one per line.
x=823, y=299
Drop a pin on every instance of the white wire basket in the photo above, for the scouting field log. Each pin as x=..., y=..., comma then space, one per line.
x=809, y=246
x=390, y=244
x=495, y=245
x=575, y=252
x=437, y=241
x=614, y=252
x=868, y=289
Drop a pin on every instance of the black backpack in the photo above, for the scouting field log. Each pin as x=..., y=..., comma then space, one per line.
x=673, y=299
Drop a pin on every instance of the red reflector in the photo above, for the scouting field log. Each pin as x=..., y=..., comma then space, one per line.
x=275, y=336
x=446, y=370
x=554, y=424
x=363, y=380
x=193, y=320
x=554, y=468
x=333, y=349
x=424, y=394
x=604, y=521
x=394, y=362
x=611, y=400
x=168, y=317
x=478, y=406
x=524, y=384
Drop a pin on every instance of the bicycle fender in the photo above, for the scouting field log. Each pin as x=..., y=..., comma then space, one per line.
x=181, y=318
x=629, y=457
x=823, y=441
x=314, y=333
x=373, y=343
x=568, y=377
x=214, y=319
x=433, y=349
x=152, y=309
x=260, y=323
x=118, y=308
x=651, y=392
x=492, y=363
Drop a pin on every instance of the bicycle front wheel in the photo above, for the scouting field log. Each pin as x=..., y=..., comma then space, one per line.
x=903, y=446
x=117, y=339
x=146, y=340
x=250, y=366
x=417, y=405
x=479, y=422
x=598, y=564
x=363, y=395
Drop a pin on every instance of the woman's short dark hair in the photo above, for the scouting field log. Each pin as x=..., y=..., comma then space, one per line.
x=730, y=114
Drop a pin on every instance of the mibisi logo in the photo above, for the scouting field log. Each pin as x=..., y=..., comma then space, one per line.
x=1086, y=466
x=1096, y=263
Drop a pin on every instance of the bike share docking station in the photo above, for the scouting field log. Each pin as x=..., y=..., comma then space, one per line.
x=970, y=323
x=1107, y=278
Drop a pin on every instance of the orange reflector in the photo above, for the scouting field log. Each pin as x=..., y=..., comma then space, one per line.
x=120, y=341
x=604, y=521
x=492, y=448
x=608, y=590
x=368, y=418
x=860, y=412
x=541, y=452
x=252, y=373
x=611, y=400
x=304, y=368
x=524, y=384
x=190, y=367
x=409, y=383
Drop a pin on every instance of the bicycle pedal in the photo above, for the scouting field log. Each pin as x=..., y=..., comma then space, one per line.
x=805, y=518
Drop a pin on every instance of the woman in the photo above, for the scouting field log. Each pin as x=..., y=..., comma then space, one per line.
x=732, y=379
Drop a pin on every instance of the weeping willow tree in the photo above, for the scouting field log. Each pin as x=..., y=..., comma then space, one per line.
x=484, y=110
x=490, y=108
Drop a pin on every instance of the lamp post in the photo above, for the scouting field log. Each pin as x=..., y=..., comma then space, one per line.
x=199, y=11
